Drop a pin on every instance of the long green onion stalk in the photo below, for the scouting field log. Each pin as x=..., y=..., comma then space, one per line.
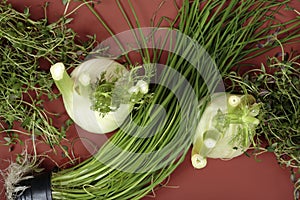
x=125, y=168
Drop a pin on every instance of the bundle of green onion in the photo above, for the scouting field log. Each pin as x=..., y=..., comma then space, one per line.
x=125, y=168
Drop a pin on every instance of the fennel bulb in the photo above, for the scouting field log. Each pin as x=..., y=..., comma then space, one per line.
x=99, y=94
x=226, y=128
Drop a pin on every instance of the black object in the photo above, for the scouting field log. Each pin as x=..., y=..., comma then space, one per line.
x=39, y=188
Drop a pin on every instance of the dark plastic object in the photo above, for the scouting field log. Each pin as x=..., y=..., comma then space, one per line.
x=40, y=188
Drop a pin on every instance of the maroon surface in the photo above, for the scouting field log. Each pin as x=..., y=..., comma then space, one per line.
x=241, y=178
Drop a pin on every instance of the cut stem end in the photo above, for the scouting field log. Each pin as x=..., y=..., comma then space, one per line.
x=57, y=71
x=198, y=161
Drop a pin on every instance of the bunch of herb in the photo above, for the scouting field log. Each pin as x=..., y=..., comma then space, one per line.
x=277, y=86
x=124, y=88
x=24, y=84
x=229, y=31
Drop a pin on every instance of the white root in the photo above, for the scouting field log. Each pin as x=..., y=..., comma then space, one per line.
x=17, y=172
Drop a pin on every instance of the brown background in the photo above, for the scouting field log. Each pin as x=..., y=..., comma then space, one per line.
x=241, y=178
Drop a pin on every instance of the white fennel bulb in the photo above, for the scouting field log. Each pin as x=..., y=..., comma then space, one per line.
x=77, y=91
x=226, y=128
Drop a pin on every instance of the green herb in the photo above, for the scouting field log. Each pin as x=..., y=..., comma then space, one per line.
x=128, y=88
x=24, y=84
x=102, y=95
x=277, y=86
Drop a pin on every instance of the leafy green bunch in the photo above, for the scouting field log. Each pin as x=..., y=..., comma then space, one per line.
x=276, y=85
x=123, y=88
x=25, y=46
